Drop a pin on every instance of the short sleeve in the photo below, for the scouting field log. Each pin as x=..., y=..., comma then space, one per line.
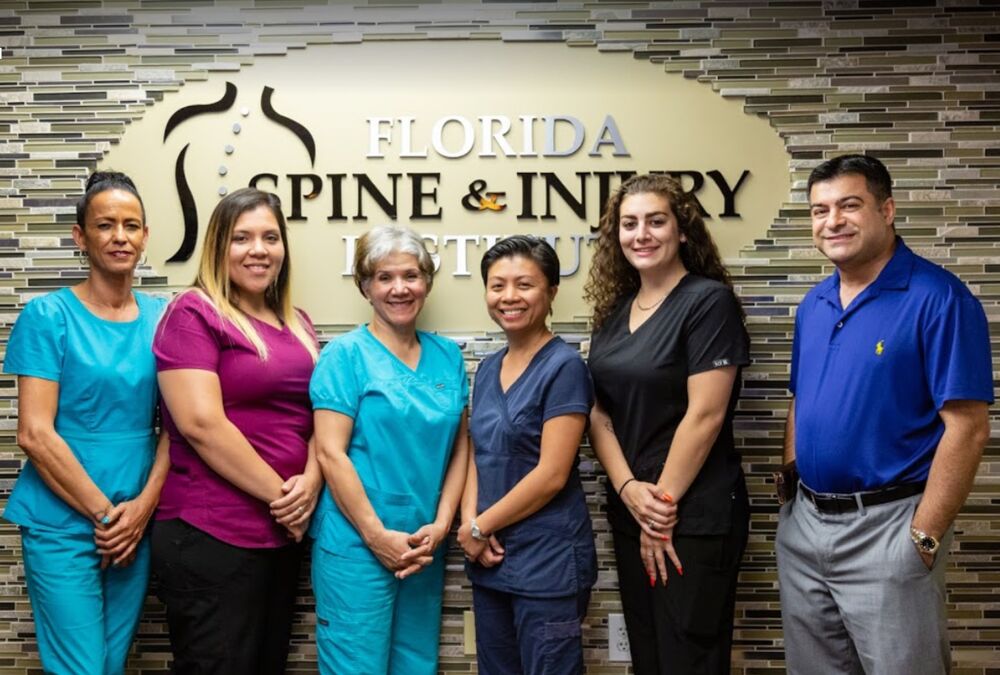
x=715, y=335
x=958, y=364
x=334, y=385
x=570, y=390
x=188, y=335
x=37, y=342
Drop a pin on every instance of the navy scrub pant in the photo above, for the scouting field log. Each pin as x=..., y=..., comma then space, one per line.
x=534, y=636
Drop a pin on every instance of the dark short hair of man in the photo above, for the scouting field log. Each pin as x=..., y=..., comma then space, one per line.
x=876, y=175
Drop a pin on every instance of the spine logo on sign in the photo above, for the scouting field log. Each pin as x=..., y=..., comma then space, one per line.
x=188, y=207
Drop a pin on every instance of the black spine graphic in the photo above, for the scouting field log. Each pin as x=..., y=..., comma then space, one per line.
x=188, y=208
x=187, y=112
x=300, y=131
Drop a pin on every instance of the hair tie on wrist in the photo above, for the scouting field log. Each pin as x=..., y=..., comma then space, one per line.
x=623, y=486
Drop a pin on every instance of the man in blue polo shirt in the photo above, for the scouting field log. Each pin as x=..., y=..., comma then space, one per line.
x=891, y=377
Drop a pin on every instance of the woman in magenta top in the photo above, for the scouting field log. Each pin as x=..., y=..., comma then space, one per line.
x=234, y=360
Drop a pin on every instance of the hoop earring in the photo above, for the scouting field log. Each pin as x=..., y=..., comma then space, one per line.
x=142, y=259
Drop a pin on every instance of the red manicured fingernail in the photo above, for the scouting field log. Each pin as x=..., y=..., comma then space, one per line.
x=680, y=570
x=652, y=581
x=667, y=498
x=665, y=537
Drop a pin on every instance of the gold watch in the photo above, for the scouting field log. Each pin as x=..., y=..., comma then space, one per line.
x=924, y=542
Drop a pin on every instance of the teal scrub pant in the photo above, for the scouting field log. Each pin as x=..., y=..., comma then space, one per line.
x=85, y=617
x=368, y=622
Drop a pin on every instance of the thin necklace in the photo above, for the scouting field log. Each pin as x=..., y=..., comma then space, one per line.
x=646, y=309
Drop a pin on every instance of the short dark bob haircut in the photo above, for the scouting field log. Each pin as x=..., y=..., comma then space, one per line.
x=526, y=246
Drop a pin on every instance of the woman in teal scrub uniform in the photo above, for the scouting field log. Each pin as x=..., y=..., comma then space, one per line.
x=86, y=407
x=391, y=439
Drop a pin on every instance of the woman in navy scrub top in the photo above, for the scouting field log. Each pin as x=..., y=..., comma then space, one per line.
x=525, y=528
x=668, y=345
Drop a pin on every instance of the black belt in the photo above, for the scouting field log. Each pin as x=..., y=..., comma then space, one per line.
x=849, y=503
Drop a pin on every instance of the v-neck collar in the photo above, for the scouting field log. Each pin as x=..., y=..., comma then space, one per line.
x=544, y=348
x=396, y=359
x=628, y=306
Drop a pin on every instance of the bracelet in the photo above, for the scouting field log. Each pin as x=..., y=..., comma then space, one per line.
x=623, y=486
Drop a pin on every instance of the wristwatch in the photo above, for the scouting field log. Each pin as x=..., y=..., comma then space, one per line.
x=477, y=534
x=924, y=542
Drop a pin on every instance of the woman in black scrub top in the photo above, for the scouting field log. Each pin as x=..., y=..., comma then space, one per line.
x=668, y=344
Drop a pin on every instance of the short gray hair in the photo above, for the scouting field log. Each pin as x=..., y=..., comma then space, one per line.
x=379, y=243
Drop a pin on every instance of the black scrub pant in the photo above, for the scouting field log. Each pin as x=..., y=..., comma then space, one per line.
x=229, y=609
x=685, y=627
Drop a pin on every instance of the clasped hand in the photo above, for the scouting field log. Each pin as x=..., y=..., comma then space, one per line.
x=403, y=553
x=488, y=553
x=118, y=538
x=656, y=515
x=296, y=505
x=650, y=507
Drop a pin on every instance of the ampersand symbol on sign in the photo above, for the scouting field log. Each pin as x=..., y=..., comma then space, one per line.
x=474, y=200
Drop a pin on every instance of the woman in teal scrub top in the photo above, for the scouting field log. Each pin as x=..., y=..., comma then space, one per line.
x=86, y=407
x=390, y=430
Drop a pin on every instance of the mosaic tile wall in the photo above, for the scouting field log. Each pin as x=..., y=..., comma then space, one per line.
x=914, y=83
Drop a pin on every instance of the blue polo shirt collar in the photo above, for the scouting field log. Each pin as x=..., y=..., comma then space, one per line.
x=894, y=276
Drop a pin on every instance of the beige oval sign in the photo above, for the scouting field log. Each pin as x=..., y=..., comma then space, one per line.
x=465, y=142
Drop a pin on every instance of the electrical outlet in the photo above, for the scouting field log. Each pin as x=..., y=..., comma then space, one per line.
x=618, y=647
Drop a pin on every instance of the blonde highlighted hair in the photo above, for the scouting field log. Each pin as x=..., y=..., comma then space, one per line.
x=214, y=283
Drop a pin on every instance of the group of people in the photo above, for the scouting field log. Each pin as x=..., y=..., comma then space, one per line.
x=370, y=447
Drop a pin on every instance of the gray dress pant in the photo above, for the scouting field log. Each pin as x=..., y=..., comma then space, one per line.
x=856, y=597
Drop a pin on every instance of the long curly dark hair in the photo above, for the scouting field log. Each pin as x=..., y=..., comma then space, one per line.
x=611, y=276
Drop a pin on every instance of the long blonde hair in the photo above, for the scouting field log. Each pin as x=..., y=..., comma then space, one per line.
x=213, y=271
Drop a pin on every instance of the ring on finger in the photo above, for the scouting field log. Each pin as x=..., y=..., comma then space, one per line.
x=300, y=509
x=652, y=524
